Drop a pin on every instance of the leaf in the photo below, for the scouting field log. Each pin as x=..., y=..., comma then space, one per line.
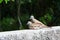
x=30, y=1
x=13, y=0
x=6, y=1
x=1, y=1
x=42, y=19
x=21, y=2
x=48, y=17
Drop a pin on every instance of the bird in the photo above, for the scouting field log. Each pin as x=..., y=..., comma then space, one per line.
x=29, y=23
x=36, y=21
x=32, y=25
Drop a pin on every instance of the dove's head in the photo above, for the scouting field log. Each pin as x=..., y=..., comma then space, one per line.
x=31, y=17
x=29, y=23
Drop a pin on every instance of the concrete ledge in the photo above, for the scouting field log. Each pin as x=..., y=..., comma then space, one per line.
x=52, y=33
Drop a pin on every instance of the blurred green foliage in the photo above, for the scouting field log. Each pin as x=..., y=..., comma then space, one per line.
x=47, y=18
x=9, y=24
x=47, y=11
x=6, y=1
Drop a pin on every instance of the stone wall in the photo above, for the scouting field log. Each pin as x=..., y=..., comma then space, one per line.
x=52, y=33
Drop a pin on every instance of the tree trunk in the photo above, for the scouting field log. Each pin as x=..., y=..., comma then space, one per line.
x=18, y=13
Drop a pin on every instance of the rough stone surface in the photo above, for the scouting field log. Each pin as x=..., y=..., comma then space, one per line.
x=52, y=33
